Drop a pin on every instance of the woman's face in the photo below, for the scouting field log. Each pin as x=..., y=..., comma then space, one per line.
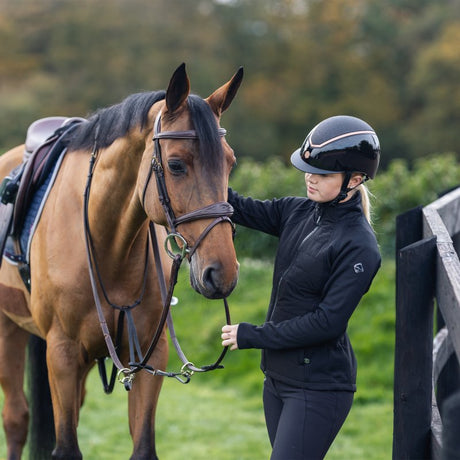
x=323, y=187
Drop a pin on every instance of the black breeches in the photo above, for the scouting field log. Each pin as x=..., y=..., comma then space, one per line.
x=301, y=423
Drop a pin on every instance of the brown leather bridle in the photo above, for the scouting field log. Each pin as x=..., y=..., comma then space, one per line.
x=220, y=211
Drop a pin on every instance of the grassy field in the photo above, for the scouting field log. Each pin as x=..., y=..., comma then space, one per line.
x=219, y=414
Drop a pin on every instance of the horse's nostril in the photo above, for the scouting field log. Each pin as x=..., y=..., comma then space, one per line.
x=210, y=278
x=212, y=281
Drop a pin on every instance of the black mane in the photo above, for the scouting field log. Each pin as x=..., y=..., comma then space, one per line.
x=111, y=123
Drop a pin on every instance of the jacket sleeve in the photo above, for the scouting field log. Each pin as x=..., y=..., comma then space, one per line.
x=352, y=273
x=264, y=216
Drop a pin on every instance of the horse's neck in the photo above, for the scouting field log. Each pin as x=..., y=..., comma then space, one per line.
x=116, y=217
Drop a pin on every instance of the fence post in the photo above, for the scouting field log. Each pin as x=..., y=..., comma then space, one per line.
x=415, y=276
x=409, y=228
x=451, y=441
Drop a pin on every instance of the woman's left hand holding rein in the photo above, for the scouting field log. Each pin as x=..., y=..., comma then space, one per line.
x=229, y=336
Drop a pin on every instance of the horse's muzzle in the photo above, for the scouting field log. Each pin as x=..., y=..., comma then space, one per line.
x=213, y=281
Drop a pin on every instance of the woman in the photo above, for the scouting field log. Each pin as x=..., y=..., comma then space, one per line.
x=326, y=260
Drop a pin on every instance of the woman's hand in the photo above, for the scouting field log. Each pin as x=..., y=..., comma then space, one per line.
x=229, y=333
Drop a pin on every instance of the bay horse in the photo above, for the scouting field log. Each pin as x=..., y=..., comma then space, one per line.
x=123, y=201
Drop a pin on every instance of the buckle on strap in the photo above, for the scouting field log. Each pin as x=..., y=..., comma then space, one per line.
x=172, y=247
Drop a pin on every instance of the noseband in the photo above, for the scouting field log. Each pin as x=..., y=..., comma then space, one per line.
x=220, y=211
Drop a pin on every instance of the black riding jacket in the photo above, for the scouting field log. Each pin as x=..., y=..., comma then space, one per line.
x=326, y=259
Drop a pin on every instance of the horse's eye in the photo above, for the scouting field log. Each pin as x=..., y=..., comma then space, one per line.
x=177, y=167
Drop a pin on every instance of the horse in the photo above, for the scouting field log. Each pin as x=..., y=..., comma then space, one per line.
x=116, y=151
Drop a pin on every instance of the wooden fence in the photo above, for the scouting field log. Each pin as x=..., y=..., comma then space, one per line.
x=427, y=371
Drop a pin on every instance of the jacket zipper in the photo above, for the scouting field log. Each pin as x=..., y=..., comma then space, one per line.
x=292, y=262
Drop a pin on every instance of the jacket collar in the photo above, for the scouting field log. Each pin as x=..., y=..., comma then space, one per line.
x=324, y=211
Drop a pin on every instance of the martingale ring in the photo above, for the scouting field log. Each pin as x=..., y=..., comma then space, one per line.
x=173, y=249
x=126, y=377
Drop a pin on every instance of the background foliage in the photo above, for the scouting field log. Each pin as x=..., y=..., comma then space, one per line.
x=394, y=63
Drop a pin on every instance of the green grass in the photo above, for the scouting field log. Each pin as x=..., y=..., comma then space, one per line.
x=219, y=414
x=194, y=421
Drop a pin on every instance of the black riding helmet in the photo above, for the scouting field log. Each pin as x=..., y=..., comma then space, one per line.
x=340, y=144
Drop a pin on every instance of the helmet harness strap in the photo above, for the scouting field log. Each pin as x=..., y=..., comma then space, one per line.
x=345, y=189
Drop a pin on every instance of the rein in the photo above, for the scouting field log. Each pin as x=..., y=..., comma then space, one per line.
x=220, y=211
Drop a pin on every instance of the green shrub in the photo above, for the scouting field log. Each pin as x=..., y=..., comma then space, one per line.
x=403, y=187
x=400, y=188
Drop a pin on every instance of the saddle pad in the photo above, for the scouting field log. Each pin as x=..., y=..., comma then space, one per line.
x=33, y=214
x=6, y=215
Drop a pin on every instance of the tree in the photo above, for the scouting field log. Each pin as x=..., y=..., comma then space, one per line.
x=433, y=127
x=304, y=60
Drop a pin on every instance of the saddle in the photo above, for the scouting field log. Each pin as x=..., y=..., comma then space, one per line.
x=43, y=146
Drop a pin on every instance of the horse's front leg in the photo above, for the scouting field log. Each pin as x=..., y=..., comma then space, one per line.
x=66, y=380
x=15, y=414
x=142, y=404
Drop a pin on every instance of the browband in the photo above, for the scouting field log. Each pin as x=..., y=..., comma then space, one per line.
x=188, y=134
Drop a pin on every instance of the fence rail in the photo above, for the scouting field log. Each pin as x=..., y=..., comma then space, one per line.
x=427, y=376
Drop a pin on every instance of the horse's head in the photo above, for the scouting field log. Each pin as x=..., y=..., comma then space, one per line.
x=189, y=163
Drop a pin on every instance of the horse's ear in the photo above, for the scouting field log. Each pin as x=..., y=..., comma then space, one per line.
x=221, y=99
x=178, y=89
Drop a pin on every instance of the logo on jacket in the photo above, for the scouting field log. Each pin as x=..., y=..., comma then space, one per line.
x=358, y=268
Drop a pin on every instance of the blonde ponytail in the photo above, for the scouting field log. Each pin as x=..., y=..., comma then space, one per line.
x=365, y=199
x=365, y=195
